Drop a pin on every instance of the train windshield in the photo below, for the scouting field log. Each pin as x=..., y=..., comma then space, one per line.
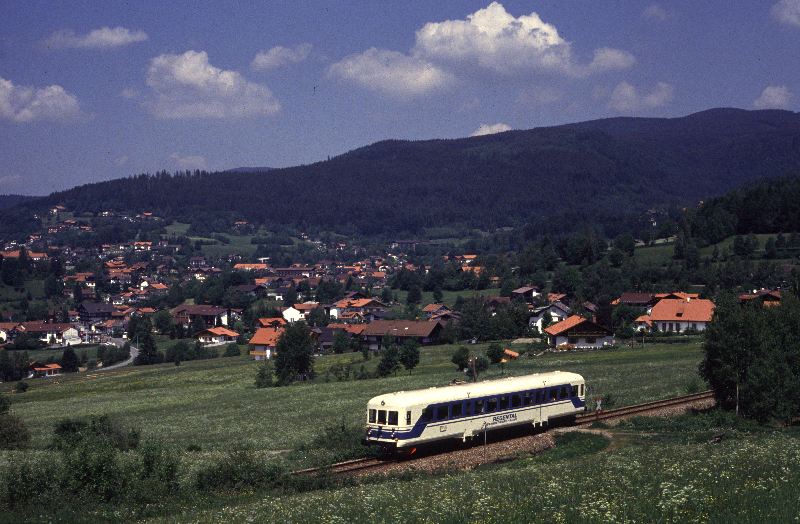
x=384, y=417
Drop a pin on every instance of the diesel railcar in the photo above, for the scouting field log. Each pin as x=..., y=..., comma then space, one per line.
x=406, y=419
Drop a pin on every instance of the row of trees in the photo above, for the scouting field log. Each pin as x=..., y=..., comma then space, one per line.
x=752, y=358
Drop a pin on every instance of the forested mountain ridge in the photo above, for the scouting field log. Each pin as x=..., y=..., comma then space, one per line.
x=12, y=200
x=602, y=172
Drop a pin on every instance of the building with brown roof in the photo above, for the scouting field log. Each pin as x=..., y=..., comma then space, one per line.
x=399, y=331
x=580, y=333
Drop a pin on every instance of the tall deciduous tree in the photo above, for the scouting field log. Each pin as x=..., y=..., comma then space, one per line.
x=409, y=354
x=295, y=354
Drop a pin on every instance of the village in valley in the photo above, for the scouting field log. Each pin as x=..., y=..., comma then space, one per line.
x=99, y=290
x=431, y=262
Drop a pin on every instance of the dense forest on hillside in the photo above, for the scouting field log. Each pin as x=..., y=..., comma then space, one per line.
x=12, y=200
x=605, y=173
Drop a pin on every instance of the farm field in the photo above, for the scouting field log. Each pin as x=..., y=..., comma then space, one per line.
x=662, y=254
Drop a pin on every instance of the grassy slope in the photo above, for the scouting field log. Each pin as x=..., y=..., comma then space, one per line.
x=662, y=254
x=652, y=471
x=213, y=403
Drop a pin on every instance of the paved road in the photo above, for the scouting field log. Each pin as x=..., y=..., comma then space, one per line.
x=119, y=342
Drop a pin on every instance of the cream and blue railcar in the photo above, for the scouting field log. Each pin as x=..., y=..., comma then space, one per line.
x=407, y=419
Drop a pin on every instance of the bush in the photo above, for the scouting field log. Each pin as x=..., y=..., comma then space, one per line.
x=156, y=472
x=21, y=386
x=238, y=471
x=23, y=481
x=96, y=429
x=495, y=353
x=264, y=375
x=232, y=350
x=461, y=358
x=13, y=433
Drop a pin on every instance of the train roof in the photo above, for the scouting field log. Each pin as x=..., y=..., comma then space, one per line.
x=476, y=389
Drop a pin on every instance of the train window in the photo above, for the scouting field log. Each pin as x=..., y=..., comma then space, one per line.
x=540, y=396
x=553, y=394
x=441, y=413
x=480, y=406
x=515, y=401
x=574, y=391
x=581, y=389
x=372, y=416
x=491, y=405
x=408, y=418
x=503, y=404
x=526, y=398
x=564, y=393
x=426, y=414
x=455, y=411
x=393, y=418
x=381, y=416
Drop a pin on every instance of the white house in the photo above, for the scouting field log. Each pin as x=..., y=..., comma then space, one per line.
x=557, y=311
x=217, y=335
x=291, y=314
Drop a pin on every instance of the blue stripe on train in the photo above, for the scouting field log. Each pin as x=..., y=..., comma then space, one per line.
x=420, y=426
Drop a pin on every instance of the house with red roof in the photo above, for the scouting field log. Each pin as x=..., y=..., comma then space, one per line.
x=217, y=335
x=45, y=370
x=676, y=315
x=579, y=333
x=264, y=342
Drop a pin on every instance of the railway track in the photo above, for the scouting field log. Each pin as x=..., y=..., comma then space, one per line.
x=366, y=464
x=588, y=418
x=348, y=466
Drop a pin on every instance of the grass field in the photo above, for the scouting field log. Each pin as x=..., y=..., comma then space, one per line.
x=662, y=254
x=645, y=470
x=43, y=354
x=448, y=297
x=214, y=404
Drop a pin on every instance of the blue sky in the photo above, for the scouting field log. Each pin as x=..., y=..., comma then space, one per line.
x=91, y=91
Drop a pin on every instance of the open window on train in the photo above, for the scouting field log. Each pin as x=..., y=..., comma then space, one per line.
x=516, y=401
x=455, y=411
x=381, y=416
x=526, y=398
x=491, y=405
x=564, y=393
x=393, y=418
x=540, y=396
x=553, y=394
x=372, y=414
x=502, y=402
x=574, y=391
x=408, y=418
x=480, y=406
x=441, y=413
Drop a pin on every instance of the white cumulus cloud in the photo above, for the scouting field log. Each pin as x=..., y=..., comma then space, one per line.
x=494, y=39
x=391, y=73
x=103, y=38
x=189, y=161
x=280, y=56
x=26, y=104
x=490, y=129
x=188, y=86
x=655, y=12
x=787, y=12
x=626, y=97
x=774, y=97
